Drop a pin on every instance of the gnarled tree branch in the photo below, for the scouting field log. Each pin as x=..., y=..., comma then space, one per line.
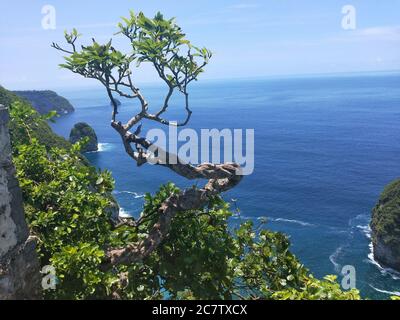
x=163, y=44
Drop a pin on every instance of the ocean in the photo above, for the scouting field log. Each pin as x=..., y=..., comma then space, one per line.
x=325, y=147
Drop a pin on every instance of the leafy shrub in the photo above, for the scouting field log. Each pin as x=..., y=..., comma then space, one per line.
x=27, y=124
x=67, y=203
x=202, y=258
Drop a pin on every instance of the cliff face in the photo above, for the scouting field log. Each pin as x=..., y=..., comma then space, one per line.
x=19, y=265
x=83, y=130
x=46, y=101
x=39, y=128
x=385, y=227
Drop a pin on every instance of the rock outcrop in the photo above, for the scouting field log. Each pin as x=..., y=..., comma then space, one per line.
x=82, y=130
x=46, y=101
x=385, y=227
x=113, y=211
x=39, y=128
x=19, y=264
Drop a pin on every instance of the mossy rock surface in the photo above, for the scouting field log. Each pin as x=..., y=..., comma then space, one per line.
x=82, y=130
x=385, y=227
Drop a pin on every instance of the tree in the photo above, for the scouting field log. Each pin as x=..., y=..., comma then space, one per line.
x=184, y=228
x=177, y=62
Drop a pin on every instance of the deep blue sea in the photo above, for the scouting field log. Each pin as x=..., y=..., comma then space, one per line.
x=325, y=147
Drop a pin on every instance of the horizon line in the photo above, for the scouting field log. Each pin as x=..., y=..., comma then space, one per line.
x=249, y=78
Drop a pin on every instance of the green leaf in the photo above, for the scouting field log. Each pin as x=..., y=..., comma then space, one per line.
x=99, y=180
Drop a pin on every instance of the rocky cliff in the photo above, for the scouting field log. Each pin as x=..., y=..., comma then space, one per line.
x=19, y=265
x=46, y=101
x=385, y=227
x=82, y=130
x=38, y=127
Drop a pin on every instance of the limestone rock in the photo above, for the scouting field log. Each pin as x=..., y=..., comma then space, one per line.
x=19, y=264
x=83, y=130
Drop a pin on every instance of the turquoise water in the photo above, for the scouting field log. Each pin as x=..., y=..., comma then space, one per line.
x=325, y=148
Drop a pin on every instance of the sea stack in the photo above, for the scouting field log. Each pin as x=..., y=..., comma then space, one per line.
x=385, y=227
x=83, y=130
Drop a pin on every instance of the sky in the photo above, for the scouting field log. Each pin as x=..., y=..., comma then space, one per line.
x=249, y=39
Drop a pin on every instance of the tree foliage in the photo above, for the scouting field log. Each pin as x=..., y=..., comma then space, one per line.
x=385, y=222
x=26, y=123
x=158, y=41
x=201, y=257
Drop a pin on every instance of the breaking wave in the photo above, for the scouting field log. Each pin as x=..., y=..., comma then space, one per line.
x=267, y=219
x=103, y=147
x=124, y=214
x=136, y=195
x=392, y=293
x=299, y=222
x=395, y=275
x=333, y=258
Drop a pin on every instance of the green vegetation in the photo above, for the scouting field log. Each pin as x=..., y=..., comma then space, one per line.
x=386, y=220
x=201, y=256
x=26, y=123
x=385, y=226
x=7, y=97
x=82, y=130
x=46, y=101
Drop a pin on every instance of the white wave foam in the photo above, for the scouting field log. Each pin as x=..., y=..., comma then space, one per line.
x=366, y=229
x=104, y=147
x=124, y=214
x=360, y=219
x=333, y=258
x=392, y=293
x=241, y=216
x=336, y=230
x=135, y=194
x=302, y=223
x=395, y=275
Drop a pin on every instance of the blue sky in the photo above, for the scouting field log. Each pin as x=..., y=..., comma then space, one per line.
x=253, y=38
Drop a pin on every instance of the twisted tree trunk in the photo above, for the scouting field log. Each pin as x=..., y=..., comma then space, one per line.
x=177, y=70
x=221, y=178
